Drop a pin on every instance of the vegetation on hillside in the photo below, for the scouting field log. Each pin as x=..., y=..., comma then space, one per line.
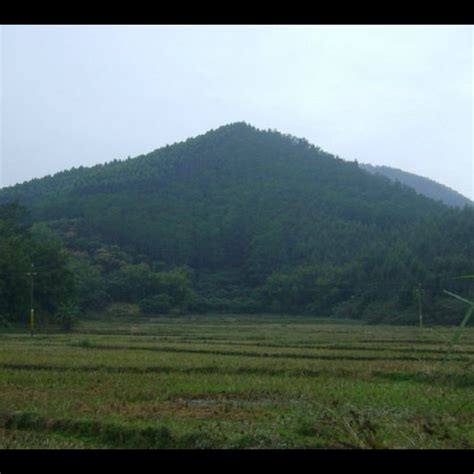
x=25, y=256
x=422, y=185
x=244, y=220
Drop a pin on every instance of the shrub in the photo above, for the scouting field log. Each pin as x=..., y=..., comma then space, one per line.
x=4, y=323
x=67, y=315
x=156, y=304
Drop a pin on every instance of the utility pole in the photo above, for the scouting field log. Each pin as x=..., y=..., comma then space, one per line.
x=419, y=291
x=32, y=287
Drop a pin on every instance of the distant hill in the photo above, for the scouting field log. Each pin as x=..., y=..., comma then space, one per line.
x=235, y=196
x=265, y=221
x=425, y=186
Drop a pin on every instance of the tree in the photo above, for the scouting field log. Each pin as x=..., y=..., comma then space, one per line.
x=20, y=250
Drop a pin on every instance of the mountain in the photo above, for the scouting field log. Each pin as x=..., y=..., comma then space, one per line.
x=422, y=185
x=262, y=221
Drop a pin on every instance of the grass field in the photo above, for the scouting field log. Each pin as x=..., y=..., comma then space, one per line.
x=236, y=382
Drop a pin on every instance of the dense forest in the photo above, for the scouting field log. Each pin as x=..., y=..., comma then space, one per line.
x=238, y=220
x=422, y=185
x=25, y=256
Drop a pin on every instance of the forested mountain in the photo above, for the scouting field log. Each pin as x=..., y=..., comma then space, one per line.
x=240, y=219
x=422, y=185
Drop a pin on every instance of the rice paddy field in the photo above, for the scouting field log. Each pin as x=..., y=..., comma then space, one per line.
x=236, y=382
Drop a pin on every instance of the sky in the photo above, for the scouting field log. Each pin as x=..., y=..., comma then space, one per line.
x=399, y=96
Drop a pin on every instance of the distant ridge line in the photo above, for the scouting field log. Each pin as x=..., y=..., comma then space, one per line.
x=421, y=184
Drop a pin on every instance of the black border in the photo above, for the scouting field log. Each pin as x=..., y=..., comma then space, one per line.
x=242, y=13
x=326, y=461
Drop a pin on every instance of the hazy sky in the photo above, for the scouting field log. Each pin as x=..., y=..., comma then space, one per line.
x=399, y=96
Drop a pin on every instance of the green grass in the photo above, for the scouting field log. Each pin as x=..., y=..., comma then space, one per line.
x=236, y=382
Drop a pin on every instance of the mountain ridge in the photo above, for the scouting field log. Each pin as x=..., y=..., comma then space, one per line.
x=423, y=185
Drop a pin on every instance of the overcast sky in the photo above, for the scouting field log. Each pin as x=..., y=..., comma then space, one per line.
x=399, y=96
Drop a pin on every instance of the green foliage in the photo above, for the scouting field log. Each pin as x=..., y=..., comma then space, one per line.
x=23, y=252
x=156, y=304
x=4, y=323
x=90, y=285
x=67, y=315
x=265, y=222
x=466, y=318
x=155, y=291
x=131, y=283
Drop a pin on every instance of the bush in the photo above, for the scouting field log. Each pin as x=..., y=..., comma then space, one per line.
x=4, y=323
x=156, y=304
x=67, y=316
x=378, y=312
x=445, y=311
